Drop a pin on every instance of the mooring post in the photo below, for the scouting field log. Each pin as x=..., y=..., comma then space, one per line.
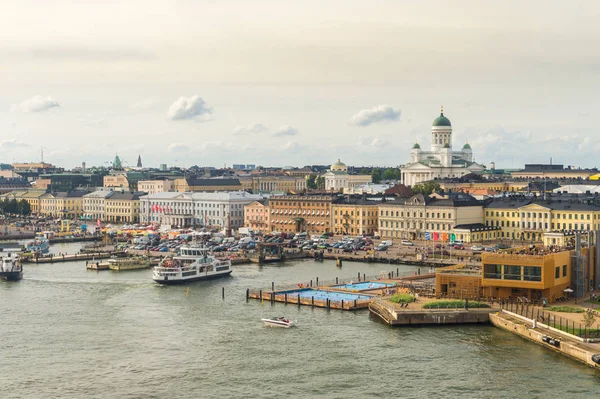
x=397, y=272
x=317, y=281
x=298, y=300
x=336, y=281
x=272, y=297
x=355, y=304
x=260, y=294
x=342, y=304
x=358, y=276
x=328, y=304
x=223, y=293
x=272, y=285
x=312, y=301
x=311, y=283
x=364, y=277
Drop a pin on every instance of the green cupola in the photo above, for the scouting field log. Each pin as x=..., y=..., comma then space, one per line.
x=441, y=120
x=416, y=146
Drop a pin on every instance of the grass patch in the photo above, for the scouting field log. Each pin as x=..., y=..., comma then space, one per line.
x=593, y=301
x=454, y=304
x=402, y=298
x=566, y=309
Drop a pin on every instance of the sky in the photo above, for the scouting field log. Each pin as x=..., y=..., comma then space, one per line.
x=278, y=82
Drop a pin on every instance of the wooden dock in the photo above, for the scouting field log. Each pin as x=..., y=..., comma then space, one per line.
x=284, y=297
x=68, y=258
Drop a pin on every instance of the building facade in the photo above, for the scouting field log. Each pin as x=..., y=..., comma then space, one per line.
x=122, y=207
x=440, y=161
x=256, y=216
x=223, y=210
x=301, y=213
x=189, y=184
x=422, y=218
x=116, y=181
x=156, y=186
x=338, y=179
x=355, y=216
x=65, y=205
x=284, y=184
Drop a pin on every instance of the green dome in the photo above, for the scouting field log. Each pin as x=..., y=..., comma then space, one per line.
x=466, y=146
x=441, y=121
x=416, y=145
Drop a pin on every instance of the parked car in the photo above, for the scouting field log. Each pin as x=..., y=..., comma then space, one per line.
x=381, y=248
x=476, y=248
x=163, y=249
x=503, y=246
x=406, y=242
x=459, y=246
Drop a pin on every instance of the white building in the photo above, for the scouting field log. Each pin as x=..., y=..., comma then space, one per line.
x=217, y=209
x=577, y=189
x=94, y=204
x=337, y=178
x=440, y=161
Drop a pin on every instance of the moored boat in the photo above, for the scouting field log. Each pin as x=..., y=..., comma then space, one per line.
x=11, y=268
x=133, y=263
x=39, y=245
x=279, y=322
x=193, y=264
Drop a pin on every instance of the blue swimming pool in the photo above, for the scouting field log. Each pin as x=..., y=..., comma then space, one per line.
x=320, y=294
x=364, y=286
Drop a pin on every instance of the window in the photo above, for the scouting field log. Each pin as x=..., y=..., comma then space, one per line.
x=532, y=273
x=492, y=271
x=564, y=270
x=557, y=272
x=512, y=272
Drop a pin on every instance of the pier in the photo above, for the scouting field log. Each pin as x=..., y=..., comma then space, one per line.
x=69, y=257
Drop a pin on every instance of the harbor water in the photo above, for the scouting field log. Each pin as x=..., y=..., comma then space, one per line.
x=68, y=332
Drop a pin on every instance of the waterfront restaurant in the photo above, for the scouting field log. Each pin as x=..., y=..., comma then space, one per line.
x=535, y=277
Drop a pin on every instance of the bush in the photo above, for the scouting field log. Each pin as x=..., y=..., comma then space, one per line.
x=452, y=304
x=402, y=298
x=565, y=309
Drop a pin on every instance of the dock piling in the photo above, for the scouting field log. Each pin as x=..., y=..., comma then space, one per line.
x=298, y=300
x=317, y=281
x=247, y=294
x=336, y=281
x=355, y=304
x=358, y=276
x=397, y=272
x=364, y=277
x=223, y=293
x=272, y=285
x=312, y=301
x=328, y=302
x=260, y=294
x=285, y=298
x=310, y=283
x=342, y=304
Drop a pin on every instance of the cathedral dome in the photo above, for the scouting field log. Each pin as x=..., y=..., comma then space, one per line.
x=416, y=146
x=339, y=166
x=466, y=146
x=441, y=121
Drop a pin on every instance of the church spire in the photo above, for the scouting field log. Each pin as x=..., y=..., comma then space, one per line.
x=442, y=110
x=139, y=161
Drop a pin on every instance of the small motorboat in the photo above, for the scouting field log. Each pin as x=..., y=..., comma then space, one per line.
x=279, y=322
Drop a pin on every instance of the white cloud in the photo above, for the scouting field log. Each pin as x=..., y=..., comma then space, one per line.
x=189, y=108
x=379, y=113
x=37, y=104
x=178, y=148
x=285, y=130
x=254, y=128
x=12, y=143
x=291, y=146
x=372, y=142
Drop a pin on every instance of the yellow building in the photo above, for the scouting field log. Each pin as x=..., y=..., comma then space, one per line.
x=256, y=216
x=532, y=218
x=156, y=186
x=31, y=196
x=116, y=181
x=285, y=184
x=511, y=275
x=484, y=185
x=301, y=213
x=122, y=208
x=188, y=184
x=355, y=216
x=65, y=205
x=420, y=217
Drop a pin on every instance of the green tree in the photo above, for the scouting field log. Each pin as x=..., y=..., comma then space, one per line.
x=425, y=188
x=24, y=208
x=376, y=175
x=12, y=206
x=310, y=181
x=391, y=174
x=320, y=183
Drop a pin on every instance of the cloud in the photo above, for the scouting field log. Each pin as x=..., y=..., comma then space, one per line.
x=37, y=104
x=90, y=53
x=285, y=130
x=178, y=148
x=372, y=142
x=379, y=113
x=12, y=143
x=254, y=128
x=189, y=108
x=292, y=146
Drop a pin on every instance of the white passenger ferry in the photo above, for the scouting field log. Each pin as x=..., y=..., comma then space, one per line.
x=194, y=263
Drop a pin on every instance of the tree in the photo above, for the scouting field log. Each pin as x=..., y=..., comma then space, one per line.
x=589, y=318
x=425, y=188
x=376, y=175
x=24, y=208
x=310, y=181
x=320, y=183
x=391, y=174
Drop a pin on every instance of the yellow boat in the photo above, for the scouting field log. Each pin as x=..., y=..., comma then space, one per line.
x=135, y=263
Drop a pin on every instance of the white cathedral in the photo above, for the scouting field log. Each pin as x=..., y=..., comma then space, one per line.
x=441, y=162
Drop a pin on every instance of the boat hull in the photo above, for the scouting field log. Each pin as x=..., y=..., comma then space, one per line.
x=192, y=279
x=11, y=276
x=129, y=267
x=277, y=323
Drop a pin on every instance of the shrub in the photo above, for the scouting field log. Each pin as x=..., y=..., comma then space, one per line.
x=565, y=309
x=402, y=298
x=452, y=304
